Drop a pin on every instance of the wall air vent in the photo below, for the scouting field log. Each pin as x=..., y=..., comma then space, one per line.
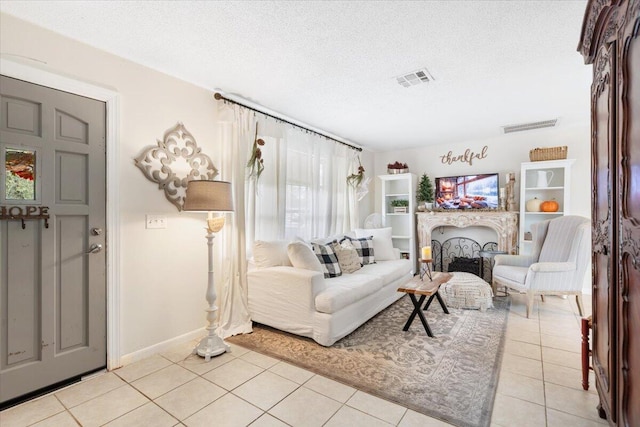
x=530, y=126
x=414, y=78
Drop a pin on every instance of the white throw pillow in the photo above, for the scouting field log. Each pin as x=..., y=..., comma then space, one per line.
x=301, y=240
x=382, y=244
x=302, y=256
x=270, y=253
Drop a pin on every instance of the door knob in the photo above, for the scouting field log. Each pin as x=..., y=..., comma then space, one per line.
x=95, y=248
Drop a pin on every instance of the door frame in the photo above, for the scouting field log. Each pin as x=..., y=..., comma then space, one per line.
x=39, y=74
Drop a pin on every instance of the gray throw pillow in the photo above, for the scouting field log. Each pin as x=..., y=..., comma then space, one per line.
x=347, y=257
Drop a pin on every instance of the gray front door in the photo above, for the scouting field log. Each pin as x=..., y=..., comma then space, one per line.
x=52, y=280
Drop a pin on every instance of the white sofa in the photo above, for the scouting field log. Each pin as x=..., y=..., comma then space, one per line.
x=304, y=302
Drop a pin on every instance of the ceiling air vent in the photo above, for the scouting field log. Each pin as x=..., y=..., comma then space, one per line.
x=530, y=126
x=414, y=78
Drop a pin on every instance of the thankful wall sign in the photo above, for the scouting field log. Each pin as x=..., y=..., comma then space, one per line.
x=467, y=157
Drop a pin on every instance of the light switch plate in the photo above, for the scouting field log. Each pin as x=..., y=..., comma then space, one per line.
x=156, y=221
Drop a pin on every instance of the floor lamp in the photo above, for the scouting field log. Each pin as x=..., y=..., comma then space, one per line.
x=210, y=196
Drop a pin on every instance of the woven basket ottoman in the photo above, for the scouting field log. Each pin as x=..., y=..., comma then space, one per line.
x=466, y=290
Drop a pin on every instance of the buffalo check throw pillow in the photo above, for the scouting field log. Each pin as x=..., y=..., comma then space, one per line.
x=328, y=259
x=364, y=247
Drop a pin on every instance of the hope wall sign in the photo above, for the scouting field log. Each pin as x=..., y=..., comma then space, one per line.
x=23, y=213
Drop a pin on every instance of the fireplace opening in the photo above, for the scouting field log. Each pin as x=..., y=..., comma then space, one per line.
x=462, y=254
x=466, y=265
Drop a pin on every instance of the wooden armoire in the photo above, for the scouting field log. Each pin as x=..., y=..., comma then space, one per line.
x=610, y=42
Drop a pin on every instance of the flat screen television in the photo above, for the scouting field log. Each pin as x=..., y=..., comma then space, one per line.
x=467, y=192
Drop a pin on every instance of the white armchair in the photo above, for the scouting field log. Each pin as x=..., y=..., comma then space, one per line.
x=557, y=264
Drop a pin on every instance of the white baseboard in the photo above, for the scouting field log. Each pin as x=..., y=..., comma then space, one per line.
x=161, y=346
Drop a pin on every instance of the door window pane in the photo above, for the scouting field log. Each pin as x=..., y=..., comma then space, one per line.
x=20, y=181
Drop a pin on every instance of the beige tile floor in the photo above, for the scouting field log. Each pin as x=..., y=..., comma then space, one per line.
x=540, y=385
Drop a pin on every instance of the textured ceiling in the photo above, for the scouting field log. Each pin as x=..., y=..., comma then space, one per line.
x=331, y=64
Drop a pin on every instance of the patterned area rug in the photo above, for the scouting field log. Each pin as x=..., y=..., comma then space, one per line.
x=452, y=377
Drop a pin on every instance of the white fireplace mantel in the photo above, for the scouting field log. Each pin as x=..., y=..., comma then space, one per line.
x=504, y=223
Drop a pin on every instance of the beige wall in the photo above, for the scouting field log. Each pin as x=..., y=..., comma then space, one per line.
x=504, y=154
x=163, y=272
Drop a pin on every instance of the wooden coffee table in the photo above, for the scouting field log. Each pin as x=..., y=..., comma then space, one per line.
x=425, y=289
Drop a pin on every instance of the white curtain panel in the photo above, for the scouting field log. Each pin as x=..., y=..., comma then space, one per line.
x=340, y=191
x=237, y=138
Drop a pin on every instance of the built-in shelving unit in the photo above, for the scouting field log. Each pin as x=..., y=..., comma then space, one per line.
x=557, y=175
x=400, y=187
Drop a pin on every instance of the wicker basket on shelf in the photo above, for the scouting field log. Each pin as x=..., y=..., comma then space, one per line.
x=551, y=153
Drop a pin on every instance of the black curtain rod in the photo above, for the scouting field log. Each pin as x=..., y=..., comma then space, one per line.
x=219, y=97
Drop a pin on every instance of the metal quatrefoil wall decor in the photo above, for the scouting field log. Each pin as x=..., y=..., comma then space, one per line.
x=173, y=162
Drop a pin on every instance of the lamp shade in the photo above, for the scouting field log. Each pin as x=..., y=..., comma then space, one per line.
x=206, y=195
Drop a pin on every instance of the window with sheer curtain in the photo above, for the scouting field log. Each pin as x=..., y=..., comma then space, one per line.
x=302, y=191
